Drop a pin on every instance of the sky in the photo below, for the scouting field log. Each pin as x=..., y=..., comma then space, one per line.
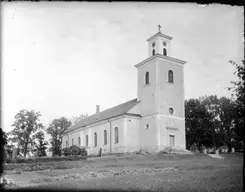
x=64, y=58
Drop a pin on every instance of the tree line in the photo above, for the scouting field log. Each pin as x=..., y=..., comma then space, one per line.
x=28, y=134
x=210, y=122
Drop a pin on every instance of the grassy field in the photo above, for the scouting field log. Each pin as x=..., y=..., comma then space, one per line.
x=196, y=172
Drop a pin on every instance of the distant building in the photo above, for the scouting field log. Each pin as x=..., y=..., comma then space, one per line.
x=152, y=121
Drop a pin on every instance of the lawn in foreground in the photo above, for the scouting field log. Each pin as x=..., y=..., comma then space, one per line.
x=194, y=173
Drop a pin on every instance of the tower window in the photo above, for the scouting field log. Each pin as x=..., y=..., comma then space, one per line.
x=153, y=52
x=170, y=76
x=105, y=137
x=116, y=135
x=164, y=51
x=153, y=44
x=147, y=78
x=95, y=139
x=147, y=126
x=164, y=43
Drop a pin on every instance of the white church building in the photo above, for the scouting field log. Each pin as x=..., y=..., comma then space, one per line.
x=153, y=121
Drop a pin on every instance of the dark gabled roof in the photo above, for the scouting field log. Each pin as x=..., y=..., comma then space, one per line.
x=103, y=115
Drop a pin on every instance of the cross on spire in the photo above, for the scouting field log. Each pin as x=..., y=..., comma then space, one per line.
x=159, y=27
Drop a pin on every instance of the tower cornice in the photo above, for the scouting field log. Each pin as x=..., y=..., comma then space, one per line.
x=167, y=58
x=159, y=34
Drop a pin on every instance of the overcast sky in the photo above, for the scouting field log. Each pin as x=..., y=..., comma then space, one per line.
x=63, y=59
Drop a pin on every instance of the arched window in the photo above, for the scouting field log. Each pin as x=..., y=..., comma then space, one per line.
x=79, y=141
x=147, y=78
x=164, y=51
x=153, y=52
x=95, y=139
x=170, y=76
x=105, y=137
x=86, y=140
x=116, y=135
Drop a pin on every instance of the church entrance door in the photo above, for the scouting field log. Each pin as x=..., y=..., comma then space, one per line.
x=171, y=140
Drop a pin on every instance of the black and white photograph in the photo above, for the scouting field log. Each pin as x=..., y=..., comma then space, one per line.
x=122, y=96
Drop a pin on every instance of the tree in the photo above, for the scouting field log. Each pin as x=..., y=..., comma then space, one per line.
x=238, y=90
x=196, y=121
x=227, y=109
x=26, y=123
x=7, y=145
x=75, y=120
x=214, y=128
x=39, y=144
x=56, y=128
x=209, y=122
x=3, y=139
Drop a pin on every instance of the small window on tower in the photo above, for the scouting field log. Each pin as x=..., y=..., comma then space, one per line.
x=147, y=126
x=147, y=78
x=165, y=52
x=153, y=52
x=153, y=44
x=170, y=76
x=164, y=43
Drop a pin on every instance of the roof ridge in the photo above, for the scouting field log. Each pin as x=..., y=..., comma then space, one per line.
x=117, y=106
x=99, y=115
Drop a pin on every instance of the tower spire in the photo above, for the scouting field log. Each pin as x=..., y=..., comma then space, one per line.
x=159, y=28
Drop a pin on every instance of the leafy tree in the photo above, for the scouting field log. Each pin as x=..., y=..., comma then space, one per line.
x=209, y=122
x=3, y=142
x=40, y=144
x=214, y=127
x=4, y=137
x=238, y=90
x=196, y=120
x=56, y=128
x=26, y=123
x=227, y=109
x=75, y=120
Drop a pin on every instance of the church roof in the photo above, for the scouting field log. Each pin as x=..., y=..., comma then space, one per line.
x=159, y=34
x=106, y=114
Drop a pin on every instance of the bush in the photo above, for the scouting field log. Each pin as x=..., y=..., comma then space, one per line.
x=67, y=151
x=44, y=159
x=75, y=150
x=8, y=160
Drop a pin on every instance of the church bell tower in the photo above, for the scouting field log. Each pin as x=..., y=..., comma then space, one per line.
x=161, y=96
x=159, y=44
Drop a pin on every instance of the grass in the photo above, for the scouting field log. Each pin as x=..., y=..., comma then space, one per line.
x=196, y=172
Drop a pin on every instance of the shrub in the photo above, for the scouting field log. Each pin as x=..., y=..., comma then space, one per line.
x=75, y=150
x=45, y=159
x=67, y=151
x=8, y=160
